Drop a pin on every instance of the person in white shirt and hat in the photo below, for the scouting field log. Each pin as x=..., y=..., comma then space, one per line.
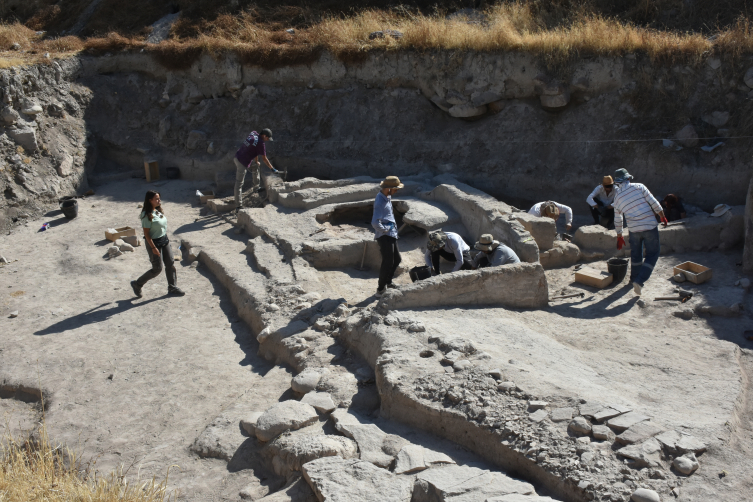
x=451, y=247
x=600, y=202
x=493, y=253
x=551, y=209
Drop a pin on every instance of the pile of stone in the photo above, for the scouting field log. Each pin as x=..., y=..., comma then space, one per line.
x=123, y=245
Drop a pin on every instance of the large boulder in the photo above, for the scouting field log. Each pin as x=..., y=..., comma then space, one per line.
x=338, y=480
x=293, y=449
x=284, y=416
x=24, y=136
x=687, y=136
x=562, y=254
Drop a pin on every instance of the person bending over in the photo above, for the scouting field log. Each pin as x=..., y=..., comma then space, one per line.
x=451, y=247
x=493, y=253
x=385, y=232
x=551, y=209
x=673, y=208
x=247, y=158
x=600, y=203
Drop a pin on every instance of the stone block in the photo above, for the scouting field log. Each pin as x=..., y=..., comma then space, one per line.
x=639, y=433
x=562, y=254
x=284, y=416
x=338, y=480
x=321, y=401
x=562, y=414
x=646, y=454
x=621, y=423
x=465, y=483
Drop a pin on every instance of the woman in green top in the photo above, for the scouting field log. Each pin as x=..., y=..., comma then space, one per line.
x=154, y=223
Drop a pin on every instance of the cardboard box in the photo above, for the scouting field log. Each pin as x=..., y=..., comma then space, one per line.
x=120, y=233
x=207, y=196
x=694, y=272
x=151, y=167
x=595, y=278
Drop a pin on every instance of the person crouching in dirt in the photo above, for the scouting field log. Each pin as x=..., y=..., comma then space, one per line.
x=673, y=208
x=385, y=232
x=451, y=247
x=247, y=158
x=154, y=223
x=600, y=202
x=636, y=203
x=550, y=209
x=493, y=253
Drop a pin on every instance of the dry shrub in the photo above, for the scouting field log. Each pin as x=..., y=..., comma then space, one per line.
x=62, y=44
x=175, y=55
x=16, y=33
x=113, y=42
x=37, y=470
x=44, y=18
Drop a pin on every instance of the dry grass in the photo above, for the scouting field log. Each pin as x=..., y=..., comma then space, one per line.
x=38, y=471
x=554, y=35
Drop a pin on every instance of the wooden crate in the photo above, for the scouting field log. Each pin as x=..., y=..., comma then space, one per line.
x=151, y=167
x=694, y=272
x=120, y=233
x=592, y=277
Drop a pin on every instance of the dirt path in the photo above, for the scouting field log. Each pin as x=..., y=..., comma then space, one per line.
x=132, y=381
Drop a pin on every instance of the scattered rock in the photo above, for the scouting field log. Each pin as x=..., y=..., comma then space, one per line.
x=556, y=101
x=562, y=414
x=462, y=365
x=410, y=459
x=639, y=433
x=646, y=454
x=321, y=401
x=641, y=303
x=496, y=374
x=715, y=64
x=371, y=439
x=602, y=433
x=645, y=495
x=580, y=426
x=467, y=111
x=417, y=327
x=457, y=482
x=687, y=136
x=686, y=464
x=114, y=251
x=623, y=422
x=748, y=78
x=33, y=109
x=282, y=417
x=126, y=247
x=338, y=480
x=13, y=314
x=538, y=416
x=716, y=119
x=507, y=386
x=210, y=148
x=686, y=314
x=679, y=277
x=537, y=405
x=299, y=447
x=195, y=139
x=743, y=283
x=9, y=115
x=306, y=381
x=272, y=308
x=248, y=424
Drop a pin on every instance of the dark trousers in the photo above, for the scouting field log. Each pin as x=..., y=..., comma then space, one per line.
x=390, y=259
x=603, y=217
x=484, y=262
x=165, y=254
x=467, y=262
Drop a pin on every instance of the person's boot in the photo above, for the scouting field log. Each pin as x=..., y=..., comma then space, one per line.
x=175, y=291
x=136, y=289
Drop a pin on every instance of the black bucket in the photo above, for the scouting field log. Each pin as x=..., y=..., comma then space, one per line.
x=419, y=273
x=173, y=173
x=70, y=208
x=618, y=268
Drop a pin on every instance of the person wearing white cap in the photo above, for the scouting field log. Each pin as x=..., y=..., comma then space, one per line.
x=451, y=247
x=493, y=253
x=385, y=232
x=635, y=202
x=551, y=209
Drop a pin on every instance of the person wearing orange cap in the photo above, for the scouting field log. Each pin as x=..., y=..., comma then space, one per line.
x=600, y=201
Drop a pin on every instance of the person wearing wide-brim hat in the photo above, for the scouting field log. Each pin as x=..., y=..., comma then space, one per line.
x=385, y=232
x=451, y=247
x=635, y=202
x=493, y=253
x=600, y=202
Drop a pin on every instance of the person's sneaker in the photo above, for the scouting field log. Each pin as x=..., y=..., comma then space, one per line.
x=637, y=288
x=257, y=189
x=175, y=292
x=380, y=292
x=136, y=288
x=391, y=286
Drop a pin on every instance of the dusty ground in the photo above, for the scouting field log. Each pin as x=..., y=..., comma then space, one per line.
x=135, y=381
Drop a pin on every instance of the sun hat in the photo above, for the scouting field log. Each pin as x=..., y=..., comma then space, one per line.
x=391, y=182
x=267, y=133
x=621, y=175
x=486, y=243
x=719, y=210
x=436, y=241
x=550, y=210
x=607, y=180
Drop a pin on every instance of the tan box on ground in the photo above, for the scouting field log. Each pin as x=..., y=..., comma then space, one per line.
x=119, y=233
x=151, y=167
x=694, y=272
x=207, y=196
x=595, y=278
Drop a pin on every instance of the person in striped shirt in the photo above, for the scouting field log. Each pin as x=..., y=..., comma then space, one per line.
x=635, y=202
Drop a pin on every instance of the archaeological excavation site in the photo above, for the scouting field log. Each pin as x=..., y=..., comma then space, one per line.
x=611, y=360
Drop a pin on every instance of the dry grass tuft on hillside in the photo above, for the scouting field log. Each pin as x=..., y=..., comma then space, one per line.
x=37, y=471
x=500, y=28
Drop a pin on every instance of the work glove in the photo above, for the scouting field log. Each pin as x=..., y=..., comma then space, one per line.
x=620, y=242
x=664, y=220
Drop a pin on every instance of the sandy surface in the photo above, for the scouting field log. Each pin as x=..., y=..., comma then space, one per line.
x=132, y=381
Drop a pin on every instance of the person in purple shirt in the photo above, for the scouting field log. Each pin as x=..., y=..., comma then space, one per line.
x=247, y=158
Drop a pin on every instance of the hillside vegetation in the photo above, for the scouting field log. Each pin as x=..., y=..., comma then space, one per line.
x=297, y=31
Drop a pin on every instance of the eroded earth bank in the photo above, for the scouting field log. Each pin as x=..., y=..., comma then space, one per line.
x=280, y=377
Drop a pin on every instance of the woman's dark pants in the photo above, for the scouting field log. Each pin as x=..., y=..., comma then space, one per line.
x=390, y=260
x=166, y=253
